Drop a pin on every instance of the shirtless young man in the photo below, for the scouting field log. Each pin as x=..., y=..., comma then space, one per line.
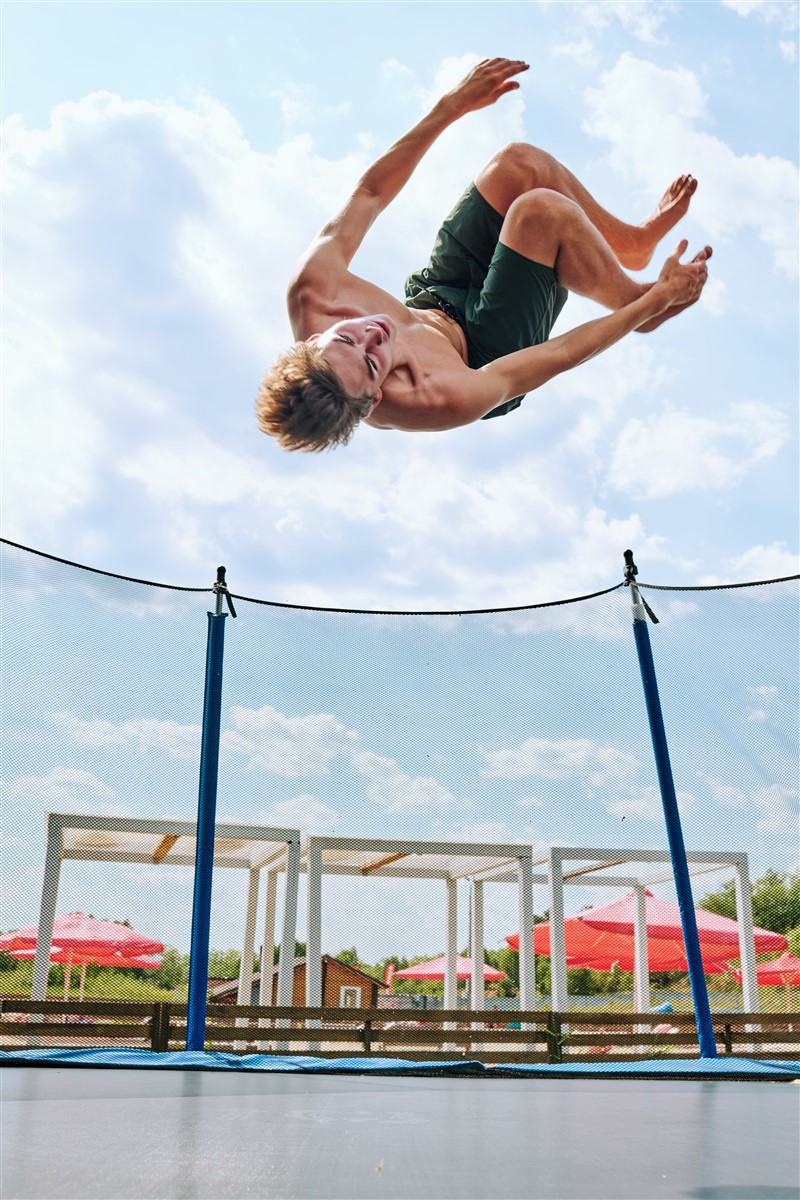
x=472, y=335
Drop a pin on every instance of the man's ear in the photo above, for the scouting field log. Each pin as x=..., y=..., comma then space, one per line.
x=310, y=340
x=376, y=399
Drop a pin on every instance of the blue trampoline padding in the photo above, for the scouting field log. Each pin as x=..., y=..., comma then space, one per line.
x=212, y=1060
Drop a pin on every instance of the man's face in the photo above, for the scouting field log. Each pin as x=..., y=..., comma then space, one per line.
x=360, y=351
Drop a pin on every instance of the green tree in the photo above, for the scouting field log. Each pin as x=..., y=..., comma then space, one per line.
x=224, y=964
x=173, y=972
x=776, y=901
x=507, y=960
x=299, y=952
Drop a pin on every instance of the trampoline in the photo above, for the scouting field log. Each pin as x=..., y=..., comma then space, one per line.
x=111, y=1132
x=135, y=1123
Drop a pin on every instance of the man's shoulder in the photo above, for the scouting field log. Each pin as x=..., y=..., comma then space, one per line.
x=447, y=397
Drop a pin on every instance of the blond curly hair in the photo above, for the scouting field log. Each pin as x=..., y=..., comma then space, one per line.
x=302, y=405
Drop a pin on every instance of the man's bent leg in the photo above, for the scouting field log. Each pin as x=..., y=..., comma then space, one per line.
x=520, y=168
x=547, y=228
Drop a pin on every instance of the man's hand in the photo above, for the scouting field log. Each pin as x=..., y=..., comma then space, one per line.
x=681, y=283
x=484, y=85
x=321, y=268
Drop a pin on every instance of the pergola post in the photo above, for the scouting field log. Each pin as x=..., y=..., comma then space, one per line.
x=641, y=966
x=244, y=994
x=451, y=966
x=47, y=911
x=268, y=944
x=747, y=949
x=477, y=994
x=268, y=939
x=527, y=959
x=314, y=939
x=558, y=949
x=289, y=929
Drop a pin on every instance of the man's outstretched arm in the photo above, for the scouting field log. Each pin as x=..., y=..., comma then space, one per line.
x=678, y=286
x=334, y=247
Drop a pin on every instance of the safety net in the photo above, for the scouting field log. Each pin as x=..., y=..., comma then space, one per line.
x=397, y=760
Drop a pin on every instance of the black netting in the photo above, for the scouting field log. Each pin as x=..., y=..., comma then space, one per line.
x=524, y=726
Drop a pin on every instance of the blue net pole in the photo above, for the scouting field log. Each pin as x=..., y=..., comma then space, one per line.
x=206, y=819
x=677, y=849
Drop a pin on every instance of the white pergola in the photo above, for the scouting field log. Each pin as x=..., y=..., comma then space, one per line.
x=400, y=858
x=163, y=842
x=260, y=849
x=592, y=866
x=480, y=864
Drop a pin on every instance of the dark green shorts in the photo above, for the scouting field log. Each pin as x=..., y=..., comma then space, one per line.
x=502, y=300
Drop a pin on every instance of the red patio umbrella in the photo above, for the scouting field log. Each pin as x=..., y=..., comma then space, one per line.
x=600, y=950
x=72, y=958
x=80, y=935
x=664, y=921
x=76, y=931
x=434, y=968
x=776, y=972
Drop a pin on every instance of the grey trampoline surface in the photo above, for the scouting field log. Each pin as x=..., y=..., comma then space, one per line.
x=88, y=1133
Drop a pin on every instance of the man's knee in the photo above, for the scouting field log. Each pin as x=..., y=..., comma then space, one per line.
x=540, y=207
x=515, y=170
x=517, y=162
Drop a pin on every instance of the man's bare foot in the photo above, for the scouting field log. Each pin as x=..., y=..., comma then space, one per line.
x=702, y=257
x=637, y=243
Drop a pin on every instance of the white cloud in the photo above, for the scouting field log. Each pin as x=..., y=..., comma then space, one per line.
x=65, y=789
x=300, y=104
x=642, y=20
x=303, y=812
x=780, y=807
x=561, y=759
x=397, y=792
x=751, y=191
x=725, y=794
x=287, y=746
x=269, y=740
x=779, y=11
x=678, y=451
x=646, y=805
x=142, y=734
x=583, y=52
x=773, y=561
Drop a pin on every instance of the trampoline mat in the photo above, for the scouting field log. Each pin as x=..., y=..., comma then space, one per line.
x=108, y=1133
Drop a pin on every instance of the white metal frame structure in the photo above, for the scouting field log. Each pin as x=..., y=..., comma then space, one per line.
x=598, y=859
x=254, y=848
x=594, y=860
x=481, y=864
x=258, y=848
x=401, y=858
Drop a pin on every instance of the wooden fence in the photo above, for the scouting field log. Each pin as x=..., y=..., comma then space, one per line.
x=541, y=1036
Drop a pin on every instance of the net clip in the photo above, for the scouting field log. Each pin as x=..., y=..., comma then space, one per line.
x=220, y=590
x=631, y=571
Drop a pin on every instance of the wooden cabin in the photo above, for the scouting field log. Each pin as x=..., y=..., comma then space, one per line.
x=343, y=986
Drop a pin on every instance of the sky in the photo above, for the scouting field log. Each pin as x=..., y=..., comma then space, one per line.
x=165, y=165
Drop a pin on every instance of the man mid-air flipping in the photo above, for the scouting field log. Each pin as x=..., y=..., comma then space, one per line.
x=473, y=334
